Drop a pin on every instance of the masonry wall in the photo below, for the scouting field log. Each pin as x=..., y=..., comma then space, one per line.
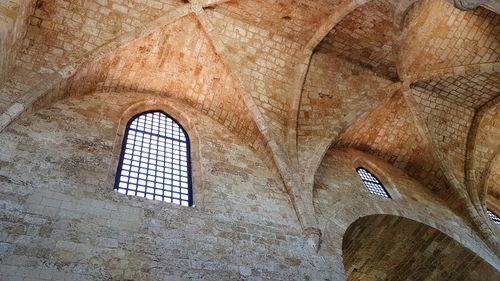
x=13, y=24
x=61, y=220
x=340, y=199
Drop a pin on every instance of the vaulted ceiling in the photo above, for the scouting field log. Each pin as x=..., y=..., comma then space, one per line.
x=409, y=81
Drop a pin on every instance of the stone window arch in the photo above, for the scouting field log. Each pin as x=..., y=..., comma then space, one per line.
x=155, y=159
x=372, y=183
x=493, y=216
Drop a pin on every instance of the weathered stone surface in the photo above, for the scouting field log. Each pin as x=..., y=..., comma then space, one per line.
x=276, y=95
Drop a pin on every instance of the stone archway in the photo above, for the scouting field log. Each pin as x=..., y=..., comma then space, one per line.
x=387, y=247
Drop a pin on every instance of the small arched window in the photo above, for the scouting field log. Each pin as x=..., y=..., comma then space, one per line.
x=155, y=160
x=372, y=183
x=493, y=217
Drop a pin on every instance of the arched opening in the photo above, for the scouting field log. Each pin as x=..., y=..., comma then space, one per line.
x=387, y=247
x=155, y=160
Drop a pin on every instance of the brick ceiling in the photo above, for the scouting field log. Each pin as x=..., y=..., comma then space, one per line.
x=365, y=37
x=296, y=19
x=393, y=248
x=241, y=62
x=468, y=90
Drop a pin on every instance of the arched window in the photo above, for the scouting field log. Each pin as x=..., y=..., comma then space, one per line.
x=372, y=183
x=155, y=160
x=493, y=217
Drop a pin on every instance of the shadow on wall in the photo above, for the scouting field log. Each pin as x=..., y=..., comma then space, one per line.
x=387, y=247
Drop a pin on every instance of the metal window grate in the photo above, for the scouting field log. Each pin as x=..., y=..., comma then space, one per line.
x=155, y=160
x=493, y=217
x=371, y=182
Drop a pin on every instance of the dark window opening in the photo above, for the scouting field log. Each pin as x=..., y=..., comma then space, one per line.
x=372, y=183
x=493, y=217
x=155, y=160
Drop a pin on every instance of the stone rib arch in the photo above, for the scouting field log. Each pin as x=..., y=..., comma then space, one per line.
x=482, y=152
x=337, y=182
x=374, y=245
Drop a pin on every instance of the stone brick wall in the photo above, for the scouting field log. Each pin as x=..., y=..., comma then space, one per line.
x=60, y=219
x=448, y=124
x=374, y=246
x=61, y=33
x=335, y=94
x=266, y=105
x=13, y=25
x=390, y=133
x=340, y=199
x=366, y=37
x=457, y=39
x=266, y=64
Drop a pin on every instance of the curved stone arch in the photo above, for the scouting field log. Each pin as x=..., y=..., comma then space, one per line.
x=335, y=232
x=385, y=178
x=313, y=163
x=185, y=120
x=80, y=81
x=51, y=87
x=486, y=200
x=401, y=35
x=405, y=228
x=334, y=217
x=477, y=181
x=331, y=22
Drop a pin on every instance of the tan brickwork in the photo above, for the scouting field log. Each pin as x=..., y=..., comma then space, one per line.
x=13, y=25
x=366, y=37
x=296, y=20
x=283, y=100
x=365, y=255
x=340, y=199
x=265, y=63
x=182, y=66
x=390, y=133
x=486, y=149
x=434, y=41
x=448, y=123
x=63, y=32
x=470, y=91
x=492, y=181
x=329, y=105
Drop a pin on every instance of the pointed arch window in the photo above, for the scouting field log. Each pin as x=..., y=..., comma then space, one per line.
x=493, y=217
x=372, y=183
x=155, y=160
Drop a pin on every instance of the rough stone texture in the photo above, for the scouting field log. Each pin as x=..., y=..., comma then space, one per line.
x=448, y=124
x=492, y=181
x=456, y=39
x=177, y=61
x=470, y=91
x=296, y=20
x=271, y=86
x=61, y=219
x=63, y=31
x=485, y=154
x=366, y=37
x=335, y=94
x=340, y=199
x=390, y=133
x=13, y=26
x=366, y=256
x=265, y=63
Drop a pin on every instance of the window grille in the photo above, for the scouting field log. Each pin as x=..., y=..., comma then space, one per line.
x=493, y=217
x=371, y=182
x=155, y=160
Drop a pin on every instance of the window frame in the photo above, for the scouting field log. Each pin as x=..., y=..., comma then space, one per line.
x=379, y=182
x=188, y=150
x=495, y=218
